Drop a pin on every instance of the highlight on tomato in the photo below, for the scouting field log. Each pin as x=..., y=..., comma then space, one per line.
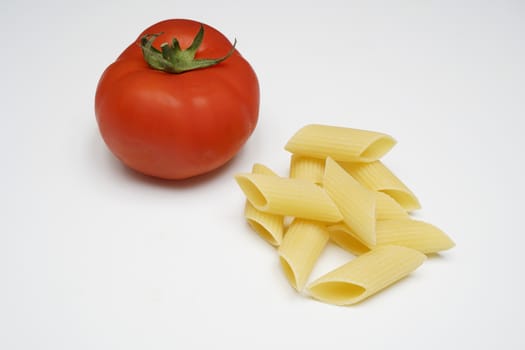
x=180, y=101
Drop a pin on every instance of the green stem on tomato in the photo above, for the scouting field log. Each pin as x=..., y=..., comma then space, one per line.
x=172, y=59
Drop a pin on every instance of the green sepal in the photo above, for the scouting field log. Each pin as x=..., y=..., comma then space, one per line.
x=172, y=59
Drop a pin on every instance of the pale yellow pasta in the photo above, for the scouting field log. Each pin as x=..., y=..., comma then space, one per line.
x=388, y=208
x=307, y=168
x=413, y=234
x=366, y=275
x=346, y=239
x=356, y=203
x=338, y=189
x=339, y=143
x=378, y=177
x=268, y=226
x=302, y=244
x=292, y=197
x=259, y=168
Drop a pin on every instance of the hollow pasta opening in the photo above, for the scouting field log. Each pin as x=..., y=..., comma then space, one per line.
x=263, y=232
x=378, y=148
x=337, y=292
x=254, y=195
x=288, y=272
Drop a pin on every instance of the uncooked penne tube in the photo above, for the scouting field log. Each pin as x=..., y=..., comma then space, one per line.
x=413, y=234
x=378, y=177
x=340, y=143
x=409, y=233
x=388, y=208
x=356, y=202
x=302, y=244
x=307, y=168
x=366, y=275
x=291, y=197
x=268, y=226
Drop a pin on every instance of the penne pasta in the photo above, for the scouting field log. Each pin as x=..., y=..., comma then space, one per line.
x=341, y=235
x=292, y=197
x=366, y=275
x=388, y=208
x=413, y=234
x=378, y=177
x=268, y=226
x=307, y=168
x=356, y=203
x=338, y=189
x=339, y=143
x=302, y=244
x=259, y=168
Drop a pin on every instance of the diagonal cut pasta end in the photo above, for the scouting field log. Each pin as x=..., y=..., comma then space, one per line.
x=290, y=274
x=301, y=247
x=406, y=199
x=252, y=192
x=259, y=168
x=340, y=143
x=380, y=146
x=266, y=234
x=366, y=275
x=337, y=292
x=415, y=234
x=268, y=226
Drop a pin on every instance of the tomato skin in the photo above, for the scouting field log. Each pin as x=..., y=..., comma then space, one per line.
x=176, y=126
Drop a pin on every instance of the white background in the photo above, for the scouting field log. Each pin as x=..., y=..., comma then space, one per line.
x=93, y=256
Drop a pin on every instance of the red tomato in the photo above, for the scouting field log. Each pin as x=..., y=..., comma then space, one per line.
x=177, y=125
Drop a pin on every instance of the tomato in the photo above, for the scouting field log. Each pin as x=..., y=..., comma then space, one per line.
x=176, y=125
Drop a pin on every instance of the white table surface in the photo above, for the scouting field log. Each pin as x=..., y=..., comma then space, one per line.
x=93, y=256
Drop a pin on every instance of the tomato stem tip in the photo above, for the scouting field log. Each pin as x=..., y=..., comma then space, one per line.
x=173, y=59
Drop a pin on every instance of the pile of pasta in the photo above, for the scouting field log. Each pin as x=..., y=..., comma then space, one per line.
x=338, y=189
